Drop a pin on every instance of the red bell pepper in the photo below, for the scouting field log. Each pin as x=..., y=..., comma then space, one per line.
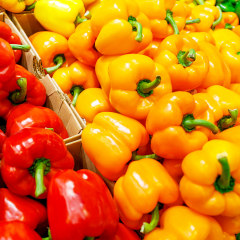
x=17, y=231
x=30, y=159
x=25, y=88
x=12, y=38
x=23, y=209
x=80, y=206
x=2, y=139
x=7, y=63
x=28, y=115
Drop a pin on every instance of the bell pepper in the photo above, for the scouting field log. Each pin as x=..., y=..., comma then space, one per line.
x=80, y=206
x=210, y=17
x=2, y=140
x=52, y=49
x=15, y=6
x=152, y=49
x=200, y=36
x=110, y=140
x=85, y=52
x=120, y=28
x=59, y=16
x=17, y=231
x=228, y=6
x=136, y=84
x=174, y=129
x=138, y=192
x=91, y=102
x=28, y=115
x=230, y=225
x=75, y=78
x=30, y=159
x=7, y=63
x=174, y=168
x=210, y=182
x=25, y=88
x=186, y=64
x=229, y=21
x=23, y=209
x=181, y=222
x=194, y=3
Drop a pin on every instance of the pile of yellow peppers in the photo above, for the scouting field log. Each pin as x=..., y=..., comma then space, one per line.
x=159, y=86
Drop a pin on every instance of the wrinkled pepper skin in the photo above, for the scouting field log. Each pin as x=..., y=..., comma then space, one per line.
x=115, y=135
x=210, y=183
x=137, y=193
x=23, y=209
x=15, y=6
x=171, y=138
x=180, y=222
x=73, y=214
x=189, y=72
x=28, y=152
x=59, y=16
x=128, y=75
x=28, y=115
x=17, y=231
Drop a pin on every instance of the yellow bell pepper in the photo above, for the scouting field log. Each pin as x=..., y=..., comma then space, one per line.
x=193, y=3
x=59, y=16
x=15, y=6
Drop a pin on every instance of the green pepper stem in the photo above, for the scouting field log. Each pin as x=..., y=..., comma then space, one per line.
x=228, y=121
x=19, y=96
x=24, y=48
x=189, y=123
x=228, y=26
x=80, y=20
x=186, y=58
x=237, y=236
x=58, y=60
x=75, y=91
x=30, y=7
x=216, y=22
x=136, y=26
x=89, y=238
x=51, y=129
x=197, y=20
x=136, y=157
x=49, y=235
x=148, y=227
x=39, y=178
x=200, y=2
x=169, y=18
x=88, y=15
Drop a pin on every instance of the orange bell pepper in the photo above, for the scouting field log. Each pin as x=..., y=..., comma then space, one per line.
x=120, y=28
x=152, y=49
x=186, y=64
x=174, y=168
x=229, y=21
x=75, y=78
x=183, y=223
x=211, y=179
x=110, y=140
x=136, y=85
x=200, y=36
x=145, y=184
x=171, y=122
x=52, y=49
x=231, y=225
x=91, y=102
x=84, y=52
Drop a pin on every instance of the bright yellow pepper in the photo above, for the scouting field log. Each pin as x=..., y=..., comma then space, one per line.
x=59, y=16
x=15, y=6
x=193, y=3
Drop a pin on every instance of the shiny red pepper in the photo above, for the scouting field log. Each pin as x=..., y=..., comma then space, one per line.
x=23, y=209
x=25, y=88
x=2, y=139
x=17, y=231
x=28, y=115
x=30, y=159
x=80, y=205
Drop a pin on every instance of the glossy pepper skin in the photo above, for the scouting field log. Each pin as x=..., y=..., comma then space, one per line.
x=15, y=6
x=95, y=101
x=231, y=225
x=137, y=82
x=185, y=62
x=193, y=3
x=173, y=135
x=115, y=135
x=23, y=209
x=28, y=115
x=120, y=28
x=59, y=16
x=180, y=222
x=229, y=21
x=84, y=52
x=75, y=78
x=210, y=182
x=2, y=140
x=52, y=49
x=25, y=88
x=30, y=159
x=80, y=205
x=17, y=231
x=138, y=192
x=7, y=63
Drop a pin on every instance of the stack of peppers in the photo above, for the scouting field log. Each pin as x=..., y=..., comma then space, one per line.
x=158, y=84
